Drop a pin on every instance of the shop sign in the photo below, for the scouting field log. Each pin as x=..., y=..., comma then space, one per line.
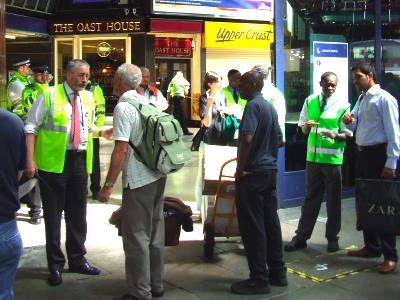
x=103, y=49
x=237, y=35
x=90, y=27
x=176, y=47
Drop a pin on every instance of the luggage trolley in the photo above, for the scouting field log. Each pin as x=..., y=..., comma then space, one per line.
x=229, y=214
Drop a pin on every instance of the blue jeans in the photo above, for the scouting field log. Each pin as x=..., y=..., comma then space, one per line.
x=10, y=251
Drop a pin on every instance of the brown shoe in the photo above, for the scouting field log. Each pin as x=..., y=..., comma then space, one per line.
x=362, y=253
x=388, y=266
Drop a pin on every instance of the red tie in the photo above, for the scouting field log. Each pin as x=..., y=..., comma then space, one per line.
x=75, y=134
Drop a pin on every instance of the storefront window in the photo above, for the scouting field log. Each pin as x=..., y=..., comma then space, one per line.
x=297, y=87
x=104, y=57
x=63, y=56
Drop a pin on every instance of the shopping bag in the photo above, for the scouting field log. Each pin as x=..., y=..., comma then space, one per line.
x=378, y=205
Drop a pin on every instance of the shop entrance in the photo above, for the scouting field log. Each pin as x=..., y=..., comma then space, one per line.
x=165, y=71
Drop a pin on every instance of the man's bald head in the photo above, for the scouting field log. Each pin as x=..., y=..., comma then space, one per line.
x=250, y=83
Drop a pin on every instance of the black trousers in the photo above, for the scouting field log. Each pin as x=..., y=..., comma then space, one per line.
x=66, y=192
x=369, y=165
x=318, y=178
x=179, y=112
x=95, y=177
x=259, y=225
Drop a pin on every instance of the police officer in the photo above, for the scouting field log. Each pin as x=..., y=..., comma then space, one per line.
x=18, y=80
x=39, y=81
x=177, y=90
x=100, y=112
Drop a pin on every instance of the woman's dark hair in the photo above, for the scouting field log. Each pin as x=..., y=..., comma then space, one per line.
x=210, y=77
x=365, y=68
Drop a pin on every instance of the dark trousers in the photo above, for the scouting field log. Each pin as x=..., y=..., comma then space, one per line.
x=369, y=165
x=179, y=112
x=95, y=177
x=32, y=198
x=65, y=192
x=318, y=178
x=259, y=224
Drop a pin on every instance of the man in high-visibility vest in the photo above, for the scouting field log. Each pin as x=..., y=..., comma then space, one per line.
x=177, y=90
x=321, y=120
x=274, y=96
x=18, y=81
x=100, y=112
x=59, y=130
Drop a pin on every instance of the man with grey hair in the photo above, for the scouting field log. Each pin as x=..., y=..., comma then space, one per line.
x=151, y=93
x=59, y=139
x=274, y=96
x=143, y=193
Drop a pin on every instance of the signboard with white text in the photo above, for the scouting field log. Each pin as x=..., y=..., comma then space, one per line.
x=331, y=57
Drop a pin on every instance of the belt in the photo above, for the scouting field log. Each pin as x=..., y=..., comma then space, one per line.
x=376, y=146
x=5, y=219
x=76, y=152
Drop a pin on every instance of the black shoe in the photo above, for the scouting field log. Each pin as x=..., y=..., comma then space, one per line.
x=250, y=287
x=35, y=219
x=55, y=278
x=85, y=269
x=294, y=245
x=282, y=281
x=333, y=245
x=188, y=133
x=157, y=294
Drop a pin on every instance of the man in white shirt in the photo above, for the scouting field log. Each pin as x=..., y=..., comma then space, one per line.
x=143, y=194
x=151, y=93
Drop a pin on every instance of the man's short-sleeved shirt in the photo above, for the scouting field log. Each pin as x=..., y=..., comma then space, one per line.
x=127, y=126
x=260, y=120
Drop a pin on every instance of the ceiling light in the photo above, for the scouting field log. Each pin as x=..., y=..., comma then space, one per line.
x=11, y=37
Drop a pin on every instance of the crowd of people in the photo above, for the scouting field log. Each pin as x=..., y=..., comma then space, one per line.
x=54, y=135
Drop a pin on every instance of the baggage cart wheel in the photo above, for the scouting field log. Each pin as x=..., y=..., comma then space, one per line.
x=209, y=242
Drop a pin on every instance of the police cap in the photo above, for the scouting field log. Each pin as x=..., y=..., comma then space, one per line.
x=20, y=60
x=40, y=68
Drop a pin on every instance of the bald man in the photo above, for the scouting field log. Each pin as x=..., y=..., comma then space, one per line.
x=255, y=186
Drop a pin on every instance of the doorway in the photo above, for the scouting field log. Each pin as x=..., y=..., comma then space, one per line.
x=165, y=71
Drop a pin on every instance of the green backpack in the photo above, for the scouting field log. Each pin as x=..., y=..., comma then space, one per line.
x=161, y=148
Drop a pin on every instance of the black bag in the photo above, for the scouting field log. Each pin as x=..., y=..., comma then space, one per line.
x=378, y=205
x=349, y=163
x=198, y=138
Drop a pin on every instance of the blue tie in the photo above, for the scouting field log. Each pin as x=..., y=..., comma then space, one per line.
x=235, y=96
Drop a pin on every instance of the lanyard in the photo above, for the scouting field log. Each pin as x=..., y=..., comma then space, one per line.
x=70, y=102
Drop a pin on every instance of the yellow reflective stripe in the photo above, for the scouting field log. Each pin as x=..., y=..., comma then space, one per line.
x=100, y=105
x=325, y=150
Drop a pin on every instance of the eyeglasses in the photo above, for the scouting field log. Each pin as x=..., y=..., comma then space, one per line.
x=83, y=75
x=331, y=85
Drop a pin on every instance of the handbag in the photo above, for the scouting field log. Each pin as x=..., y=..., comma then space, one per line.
x=229, y=128
x=378, y=205
x=198, y=138
x=349, y=163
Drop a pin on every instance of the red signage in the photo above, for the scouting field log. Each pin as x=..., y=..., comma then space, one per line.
x=176, y=47
x=90, y=27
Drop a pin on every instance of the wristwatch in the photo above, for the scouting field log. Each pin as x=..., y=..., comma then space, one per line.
x=337, y=137
x=108, y=184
